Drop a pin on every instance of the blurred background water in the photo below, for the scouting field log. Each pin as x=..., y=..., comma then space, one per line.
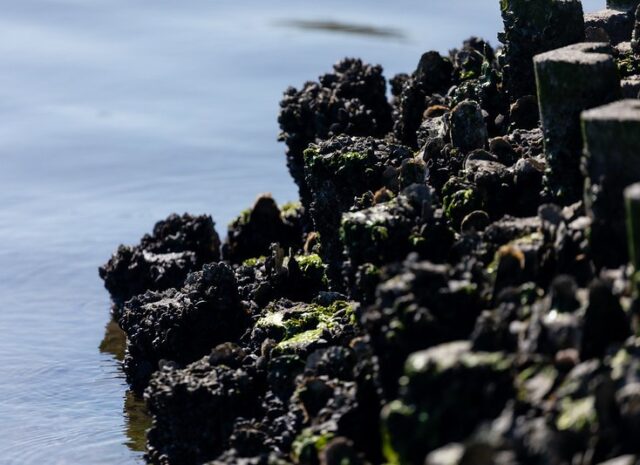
x=115, y=113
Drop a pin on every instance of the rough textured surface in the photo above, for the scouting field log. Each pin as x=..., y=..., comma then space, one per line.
x=631, y=87
x=635, y=36
x=177, y=246
x=194, y=409
x=251, y=234
x=468, y=129
x=626, y=5
x=611, y=137
x=351, y=100
x=438, y=382
x=570, y=80
x=617, y=24
x=533, y=27
x=183, y=325
x=345, y=171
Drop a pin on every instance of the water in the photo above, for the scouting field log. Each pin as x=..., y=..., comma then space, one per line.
x=115, y=113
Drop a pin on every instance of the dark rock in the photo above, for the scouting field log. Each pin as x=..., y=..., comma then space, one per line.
x=194, y=408
x=181, y=325
x=468, y=129
x=351, y=100
x=434, y=74
x=531, y=28
x=610, y=147
x=252, y=233
x=447, y=390
x=163, y=259
x=524, y=114
x=570, y=80
x=422, y=305
x=635, y=36
x=604, y=322
x=337, y=172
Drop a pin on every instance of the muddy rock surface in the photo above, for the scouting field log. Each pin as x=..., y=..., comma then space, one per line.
x=430, y=299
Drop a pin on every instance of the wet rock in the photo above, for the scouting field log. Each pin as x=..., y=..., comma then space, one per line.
x=440, y=399
x=194, y=408
x=340, y=451
x=622, y=460
x=468, y=129
x=433, y=74
x=627, y=60
x=610, y=147
x=339, y=420
x=163, y=259
x=632, y=210
x=385, y=232
x=297, y=277
x=475, y=221
x=339, y=171
x=422, y=305
x=181, y=325
x=625, y=5
x=252, y=233
x=605, y=322
x=301, y=328
x=531, y=28
x=351, y=100
x=524, y=114
x=571, y=80
x=425, y=303
x=499, y=329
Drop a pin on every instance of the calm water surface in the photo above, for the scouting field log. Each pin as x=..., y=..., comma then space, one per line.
x=115, y=113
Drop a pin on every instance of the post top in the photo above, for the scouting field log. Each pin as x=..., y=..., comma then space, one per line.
x=581, y=53
x=622, y=110
x=632, y=192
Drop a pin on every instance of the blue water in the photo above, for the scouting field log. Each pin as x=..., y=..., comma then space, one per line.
x=115, y=113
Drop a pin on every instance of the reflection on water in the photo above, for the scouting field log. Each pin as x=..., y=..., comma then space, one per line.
x=137, y=421
x=136, y=416
x=114, y=341
x=340, y=27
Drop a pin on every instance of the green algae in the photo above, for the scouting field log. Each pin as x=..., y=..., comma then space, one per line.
x=300, y=326
x=308, y=444
x=459, y=204
x=254, y=261
x=577, y=415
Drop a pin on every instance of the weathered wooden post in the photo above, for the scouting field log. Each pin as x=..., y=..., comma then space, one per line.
x=612, y=162
x=570, y=80
x=627, y=5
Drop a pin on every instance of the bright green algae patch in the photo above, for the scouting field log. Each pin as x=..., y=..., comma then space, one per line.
x=313, y=267
x=299, y=326
x=577, y=415
x=308, y=444
x=255, y=261
x=336, y=161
